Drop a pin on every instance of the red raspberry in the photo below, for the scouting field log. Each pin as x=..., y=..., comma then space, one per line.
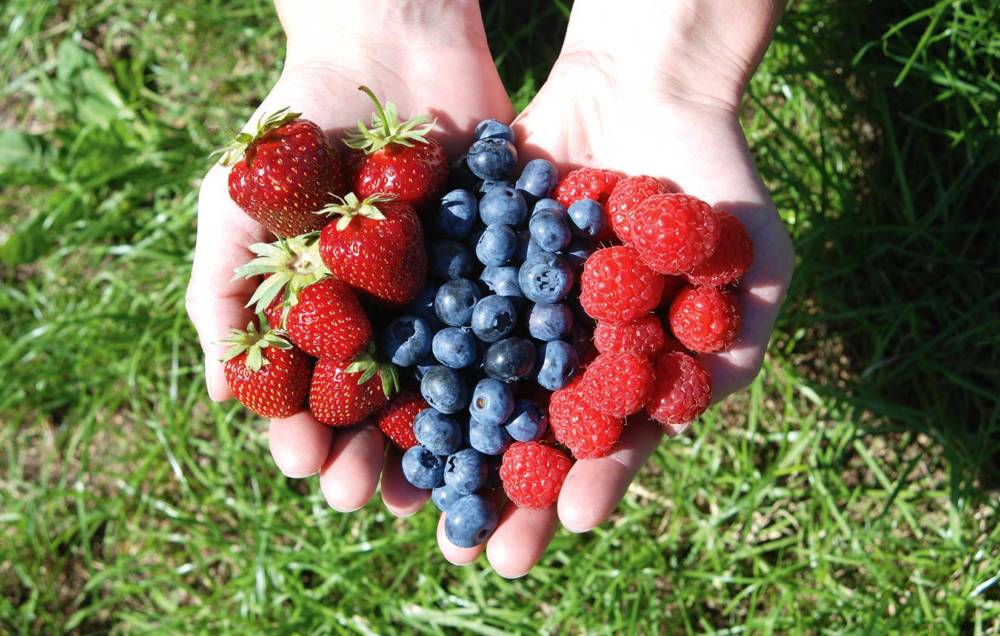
x=581, y=428
x=589, y=183
x=674, y=232
x=533, y=474
x=617, y=287
x=731, y=258
x=671, y=285
x=705, y=319
x=629, y=192
x=671, y=344
x=643, y=336
x=618, y=384
x=682, y=391
x=396, y=419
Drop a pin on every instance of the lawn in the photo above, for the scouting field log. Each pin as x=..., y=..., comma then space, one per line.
x=853, y=488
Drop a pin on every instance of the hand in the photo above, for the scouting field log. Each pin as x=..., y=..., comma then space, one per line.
x=439, y=65
x=673, y=117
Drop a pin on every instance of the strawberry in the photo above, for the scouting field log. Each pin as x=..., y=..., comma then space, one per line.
x=629, y=192
x=588, y=183
x=376, y=246
x=396, y=419
x=321, y=315
x=396, y=158
x=265, y=372
x=345, y=393
x=674, y=232
x=283, y=172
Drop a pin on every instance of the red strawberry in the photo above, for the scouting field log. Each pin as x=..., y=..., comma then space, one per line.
x=643, y=335
x=731, y=258
x=266, y=373
x=589, y=183
x=705, y=319
x=284, y=172
x=683, y=389
x=629, y=192
x=581, y=428
x=396, y=419
x=617, y=287
x=618, y=384
x=533, y=474
x=376, y=247
x=674, y=232
x=344, y=393
x=397, y=159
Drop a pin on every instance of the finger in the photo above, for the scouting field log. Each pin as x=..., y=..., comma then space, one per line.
x=454, y=554
x=594, y=487
x=299, y=444
x=520, y=539
x=350, y=475
x=400, y=497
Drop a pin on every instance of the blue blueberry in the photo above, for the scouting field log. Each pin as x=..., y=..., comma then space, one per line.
x=501, y=281
x=459, y=176
x=550, y=205
x=449, y=259
x=492, y=158
x=406, y=340
x=528, y=422
x=559, y=362
x=444, y=496
x=549, y=231
x=485, y=186
x=496, y=245
x=490, y=128
x=439, y=433
x=493, y=318
x=488, y=439
x=504, y=206
x=423, y=304
x=444, y=389
x=587, y=217
x=470, y=521
x=455, y=300
x=545, y=278
x=538, y=177
x=465, y=471
x=457, y=214
x=492, y=402
x=577, y=253
x=550, y=322
x=422, y=468
x=509, y=360
x=454, y=347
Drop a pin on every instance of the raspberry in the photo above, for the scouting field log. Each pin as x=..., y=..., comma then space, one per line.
x=581, y=428
x=618, y=384
x=731, y=258
x=396, y=419
x=533, y=474
x=643, y=336
x=682, y=391
x=629, y=192
x=588, y=183
x=705, y=319
x=617, y=287
x=671, y=285
x=674, y=232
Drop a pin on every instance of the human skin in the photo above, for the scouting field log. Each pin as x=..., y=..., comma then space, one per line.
x=653, y=92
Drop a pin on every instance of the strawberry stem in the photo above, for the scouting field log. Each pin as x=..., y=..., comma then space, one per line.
x=378, y=108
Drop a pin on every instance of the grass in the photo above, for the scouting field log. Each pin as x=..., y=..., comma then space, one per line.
x=851, y=489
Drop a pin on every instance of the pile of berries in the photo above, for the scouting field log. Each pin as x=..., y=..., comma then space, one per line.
x=480, y=330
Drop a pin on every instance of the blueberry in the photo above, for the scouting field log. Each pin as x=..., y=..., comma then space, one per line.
x=457, y=213
x=559, y=362
x=550, y=322
x=528, y=422
x=492, y=402
x=454, y=347
x=538, y=177
x=455, y=300
x=493, y=318
x=406, y=340
x=503, y=205
x=549, y=231
x=531, y=250
x=587, y=217
x=509, y=360
x=444, y=389
x=488, y=439
x=422, y=468
x=544, y=278
x=550, y=205
x=423, y=304
x=460, y=176
x=577, y=253
x=465, y=471
x=501, y=281
x=439, y=433
x=444, y=496
x=450, y=259
x=486, y=185
x=490, y=128
x=492, y=158
x=470, y=521
x=496, y=246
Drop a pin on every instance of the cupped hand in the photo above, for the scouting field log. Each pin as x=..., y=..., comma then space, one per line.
x=449, y=76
